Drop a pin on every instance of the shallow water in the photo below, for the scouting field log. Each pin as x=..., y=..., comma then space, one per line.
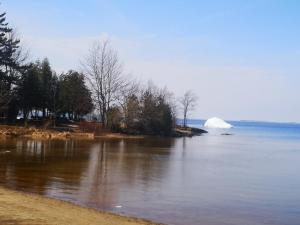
x=251, y=177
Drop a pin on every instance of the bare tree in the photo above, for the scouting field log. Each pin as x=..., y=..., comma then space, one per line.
x=104, y=72
x=187, y=103
x=128, y=101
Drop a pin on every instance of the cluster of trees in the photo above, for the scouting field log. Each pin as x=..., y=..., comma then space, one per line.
x=73, y=96
x=121, y=102
x=40, y=90
x=147, y=111
x=124, y=104
x=35, y=90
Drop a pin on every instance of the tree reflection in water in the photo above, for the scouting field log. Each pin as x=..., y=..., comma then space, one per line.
x=98, y=173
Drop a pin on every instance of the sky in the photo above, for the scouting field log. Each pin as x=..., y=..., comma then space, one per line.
x=240, y=57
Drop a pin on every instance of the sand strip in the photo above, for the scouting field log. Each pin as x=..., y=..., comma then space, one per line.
x=17, y=208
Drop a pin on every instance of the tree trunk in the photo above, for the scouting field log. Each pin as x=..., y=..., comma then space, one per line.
x=44, y=113
x=184, y=120
x=25, y=115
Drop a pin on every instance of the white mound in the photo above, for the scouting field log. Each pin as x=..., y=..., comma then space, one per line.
x=217, y=123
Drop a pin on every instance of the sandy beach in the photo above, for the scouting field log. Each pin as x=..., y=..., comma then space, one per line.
x=18, y=208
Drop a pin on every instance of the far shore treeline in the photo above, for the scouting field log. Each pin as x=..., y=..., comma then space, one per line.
x=33, y=90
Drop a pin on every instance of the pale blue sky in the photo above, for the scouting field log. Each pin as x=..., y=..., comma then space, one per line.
x=241, y=57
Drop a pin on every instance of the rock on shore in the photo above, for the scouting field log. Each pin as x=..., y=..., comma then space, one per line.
x=188, y=131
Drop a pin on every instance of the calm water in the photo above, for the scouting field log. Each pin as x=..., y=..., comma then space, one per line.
x=250, y=177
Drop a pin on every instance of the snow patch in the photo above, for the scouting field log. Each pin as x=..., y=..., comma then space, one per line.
x=216, y=122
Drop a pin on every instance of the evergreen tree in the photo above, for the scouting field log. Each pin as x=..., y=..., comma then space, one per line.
x=29, y=90
x=46, y=86
x=74, y=97
x=10, y=64
x=156, y=117
x=54, y=88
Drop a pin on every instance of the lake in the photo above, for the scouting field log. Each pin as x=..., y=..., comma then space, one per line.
x=249, y=177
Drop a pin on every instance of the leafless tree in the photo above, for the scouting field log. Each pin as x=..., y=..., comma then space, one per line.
x=187, y=103
x=128, y=99
x=104, y=73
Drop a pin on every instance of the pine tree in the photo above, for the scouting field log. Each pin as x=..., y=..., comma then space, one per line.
x=29, y=90
x=10, y=64
x=74, y=96
x=46, y=86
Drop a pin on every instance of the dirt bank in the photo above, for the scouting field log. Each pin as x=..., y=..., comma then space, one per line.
x=38, y=133
x=23, y=209
x=32, y=132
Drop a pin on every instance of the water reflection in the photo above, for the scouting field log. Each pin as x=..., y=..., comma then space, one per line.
x=202, y=180
x=85, y=172
x=33, y=165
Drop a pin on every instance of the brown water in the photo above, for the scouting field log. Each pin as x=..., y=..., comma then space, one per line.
x=209, y=180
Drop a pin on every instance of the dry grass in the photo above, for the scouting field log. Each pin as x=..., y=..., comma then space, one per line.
x=23, y=209
x=120, y=136
x=32, y=132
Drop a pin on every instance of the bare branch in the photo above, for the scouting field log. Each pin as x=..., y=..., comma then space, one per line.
x=104, y=73
x=187, y=103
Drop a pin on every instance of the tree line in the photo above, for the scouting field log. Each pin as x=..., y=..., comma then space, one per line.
x=41, y=91
x=35, y=90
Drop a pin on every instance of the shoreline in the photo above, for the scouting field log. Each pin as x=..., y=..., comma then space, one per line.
x=13, y=131
x=22, y=208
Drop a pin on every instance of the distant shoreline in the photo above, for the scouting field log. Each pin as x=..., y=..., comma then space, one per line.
x=22, y=208
x=243, y=120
